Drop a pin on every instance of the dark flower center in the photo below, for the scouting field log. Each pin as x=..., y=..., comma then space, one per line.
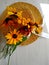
x=30, y=23
x=36, y=25
x=11, y=17
x=25, y=28
x=33, y=24
x=7, y=20
x=14, y=36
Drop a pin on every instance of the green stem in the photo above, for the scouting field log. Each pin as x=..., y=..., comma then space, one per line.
x=8, y=60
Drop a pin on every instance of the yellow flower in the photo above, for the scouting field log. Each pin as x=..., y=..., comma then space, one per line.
x=13, y=37
x=10, y=13
x=38, y=30
x=19, y=14
x=11, y=9
x=24, y=21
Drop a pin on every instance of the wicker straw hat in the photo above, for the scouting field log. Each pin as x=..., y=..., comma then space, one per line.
x=29, y=11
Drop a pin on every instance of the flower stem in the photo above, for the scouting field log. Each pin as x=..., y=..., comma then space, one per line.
x=8, y=60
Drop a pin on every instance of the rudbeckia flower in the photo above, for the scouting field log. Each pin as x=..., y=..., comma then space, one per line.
x=13, y=37
x=38, y=30
x=9, y=23
x=30, y=28
x=25, y=30
x=6, y=25
x=27, y=26
x=12, y=11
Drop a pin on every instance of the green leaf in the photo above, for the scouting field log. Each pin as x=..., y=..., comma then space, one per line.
x=12, y=47
x=24, y=38
x=18, y=43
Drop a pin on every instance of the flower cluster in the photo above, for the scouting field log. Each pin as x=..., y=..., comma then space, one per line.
x=15, y=20
x=17, y=28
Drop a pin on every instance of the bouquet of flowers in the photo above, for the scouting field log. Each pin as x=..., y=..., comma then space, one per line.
x=17, y=29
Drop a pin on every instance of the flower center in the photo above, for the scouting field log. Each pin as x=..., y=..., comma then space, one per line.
x=14, y=36
x=36, y=25
x=25, y=28
x=7, y=20
x=30, y=23
x=11, y=17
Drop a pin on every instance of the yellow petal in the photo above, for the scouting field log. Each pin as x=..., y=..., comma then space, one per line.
x=19, y=14
x=11, y=9
x=10, y=13
x=14, y=9
x=8, y=42
x=24, y=19
x=19, y=21
x=23, y=23
x=28, y=20
x=39, y=30
x=15, y=41
x=14, y=31
x=11, y=41
x=19, y=38
x=17, y=33
x=28, y=26
x=8, y=36
x=33, y=28
x=11, y=32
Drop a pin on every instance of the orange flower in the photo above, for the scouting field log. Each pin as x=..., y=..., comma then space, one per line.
x=24, y=21
x=20, y=20
x=11, y=10
x=34, y=28
x=38, y=30
x=9, y=23
x=25, y=30
x=6, y=25
x=14, y=37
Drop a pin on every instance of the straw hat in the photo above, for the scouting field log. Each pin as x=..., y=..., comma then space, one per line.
x=29, y=11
